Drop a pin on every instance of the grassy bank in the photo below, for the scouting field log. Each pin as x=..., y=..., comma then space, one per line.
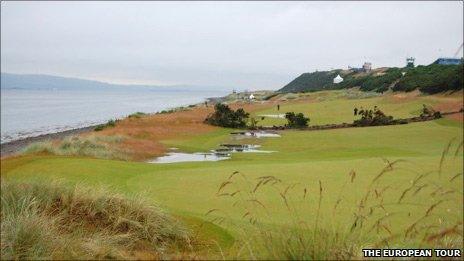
x=43, y=220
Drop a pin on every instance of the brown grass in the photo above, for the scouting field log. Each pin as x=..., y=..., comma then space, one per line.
x=144, y=135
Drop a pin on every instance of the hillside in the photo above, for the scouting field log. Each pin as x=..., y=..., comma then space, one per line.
x=52, y=82
x=430, y=79
x=39, y=81
x=314, y=81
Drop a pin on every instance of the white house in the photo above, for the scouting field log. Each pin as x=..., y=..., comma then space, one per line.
x=338, y=79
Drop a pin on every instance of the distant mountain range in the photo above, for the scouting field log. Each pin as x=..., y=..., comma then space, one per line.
x=50, y=82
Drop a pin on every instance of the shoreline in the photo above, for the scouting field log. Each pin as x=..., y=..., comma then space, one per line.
x=12, y=147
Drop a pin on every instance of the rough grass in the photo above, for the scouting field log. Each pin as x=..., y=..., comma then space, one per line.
x=54, y=221
x=386, y=215
x=104, y=147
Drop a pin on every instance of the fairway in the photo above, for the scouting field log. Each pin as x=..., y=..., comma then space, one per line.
x=329, y=107
x=322, y=176
x=302, y=157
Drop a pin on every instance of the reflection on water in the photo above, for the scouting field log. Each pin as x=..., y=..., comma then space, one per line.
x=276, y=116
x=222, y=153
x=173, y=157
x=255, y=134
x=246, y=148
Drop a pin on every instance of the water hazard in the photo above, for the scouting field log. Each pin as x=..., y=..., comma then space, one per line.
x=224, y=151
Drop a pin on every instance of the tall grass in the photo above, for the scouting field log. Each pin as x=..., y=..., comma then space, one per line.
x=324, y=224
x=42, y=220
x=103, y=147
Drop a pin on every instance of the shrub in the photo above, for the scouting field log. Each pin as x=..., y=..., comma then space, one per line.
x=253, y=123
x=373, y=118
x=226, y=117
x=431, y=79
x=51, y=220
x=296, y=120
x=314, y=81
x=111, y=123
x=270, y=96
x=381, y=83
x=137, y=115
x=429, y=112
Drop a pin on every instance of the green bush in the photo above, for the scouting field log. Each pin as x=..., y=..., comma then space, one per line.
x=381, y=83
x=296, y=120
x=111, y=123
x=270, y=96
x=373, y=118
x=314, y=81
x=431, y=79
x=225, y=117
x=137, y=115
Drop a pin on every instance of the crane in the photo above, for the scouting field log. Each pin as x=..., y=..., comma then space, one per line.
x=457, y=52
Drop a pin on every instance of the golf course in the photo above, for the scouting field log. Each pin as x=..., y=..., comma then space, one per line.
x=320, y=194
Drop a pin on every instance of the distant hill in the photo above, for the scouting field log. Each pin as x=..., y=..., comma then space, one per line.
x=432, y=78
x=50, y=82
x=314, y=81
x=36, y=81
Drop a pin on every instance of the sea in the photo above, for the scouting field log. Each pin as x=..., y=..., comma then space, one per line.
x=32, y=112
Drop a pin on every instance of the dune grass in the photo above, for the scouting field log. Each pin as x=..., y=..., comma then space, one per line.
x=43, y=220
x=103, y=147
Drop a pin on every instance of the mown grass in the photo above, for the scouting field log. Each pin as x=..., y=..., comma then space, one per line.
x=51, y=220
x=335, y=107
x=302, y=158
x=386, y=215
x=305, y=157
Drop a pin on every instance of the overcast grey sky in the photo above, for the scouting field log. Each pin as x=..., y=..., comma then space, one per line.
x=253, y=45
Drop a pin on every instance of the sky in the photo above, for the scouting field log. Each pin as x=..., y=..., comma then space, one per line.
x=241, y=45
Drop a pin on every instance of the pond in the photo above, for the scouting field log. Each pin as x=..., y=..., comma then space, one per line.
x=173, y=157
x=255, y=134
x=222, y=153
x=278, y=116
x=245, y=148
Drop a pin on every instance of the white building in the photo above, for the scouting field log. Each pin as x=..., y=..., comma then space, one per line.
x=338, y=79
x=367, y=67
x=252, y=97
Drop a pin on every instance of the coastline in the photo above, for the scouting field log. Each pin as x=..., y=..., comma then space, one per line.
x=12, y=147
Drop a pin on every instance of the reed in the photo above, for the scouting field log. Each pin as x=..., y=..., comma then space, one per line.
x=401, y=220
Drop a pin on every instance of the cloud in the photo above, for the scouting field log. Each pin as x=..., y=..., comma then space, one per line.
x=238, y=44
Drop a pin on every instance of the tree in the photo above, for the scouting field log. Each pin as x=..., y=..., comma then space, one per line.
x=226, y=117
x=296, y=120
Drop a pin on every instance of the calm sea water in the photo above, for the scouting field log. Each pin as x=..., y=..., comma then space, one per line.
x=26, y=113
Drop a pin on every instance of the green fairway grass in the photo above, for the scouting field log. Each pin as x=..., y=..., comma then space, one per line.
x=330, y=108
x=303, y=160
